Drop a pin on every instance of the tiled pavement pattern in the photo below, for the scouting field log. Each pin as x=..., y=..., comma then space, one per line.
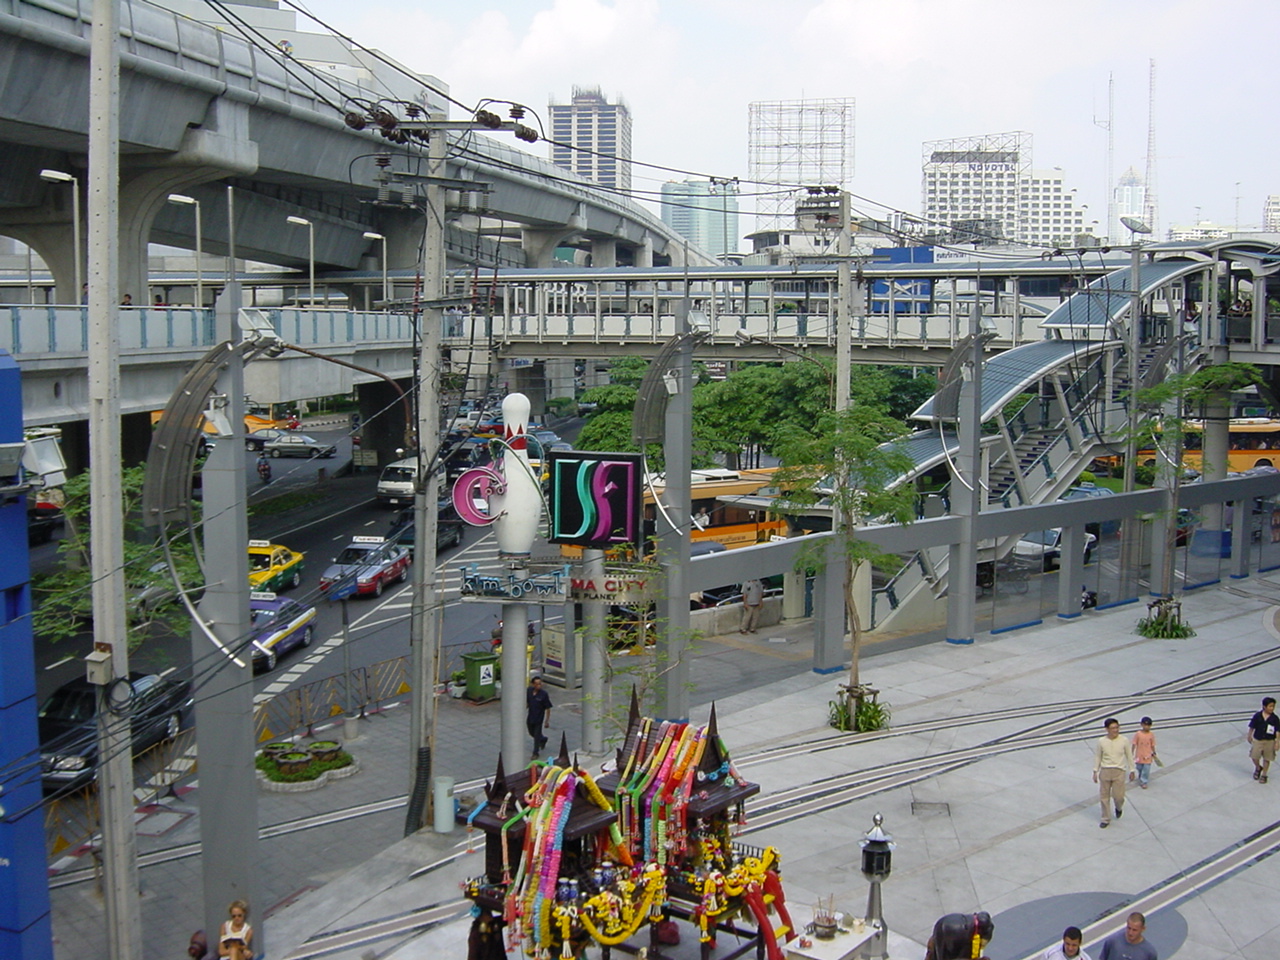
x=1015, y=834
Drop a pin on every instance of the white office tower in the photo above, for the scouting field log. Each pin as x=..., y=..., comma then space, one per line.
x=798, y=142
x=1131, y=201
x=592, y=138
x=1051, y=215
x=973, y=186
x=704, y=212
x=1271, y=214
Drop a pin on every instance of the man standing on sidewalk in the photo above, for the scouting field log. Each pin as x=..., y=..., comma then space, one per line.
x=1113, y=758
x=1069, y=948
x=1128, y=944
x=1262, y=738
x=538, y=703
x=752, y=601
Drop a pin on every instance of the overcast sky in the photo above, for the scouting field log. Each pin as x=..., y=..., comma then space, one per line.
x=918, y=69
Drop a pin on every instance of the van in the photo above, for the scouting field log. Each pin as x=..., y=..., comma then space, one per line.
x=397, y=482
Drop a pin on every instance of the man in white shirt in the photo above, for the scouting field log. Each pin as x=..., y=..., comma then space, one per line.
x=1112, y=758
x=1069, y=948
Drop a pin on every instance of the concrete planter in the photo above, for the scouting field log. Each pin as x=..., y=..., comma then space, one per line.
x=305, y=786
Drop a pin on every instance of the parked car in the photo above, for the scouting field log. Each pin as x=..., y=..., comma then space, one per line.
x=259, y=438
x=68, y=724
x=298, y=445
x=273, y=567
x=1046, y=546
x=372, y=562
x=1089, y=491
x=279, y=625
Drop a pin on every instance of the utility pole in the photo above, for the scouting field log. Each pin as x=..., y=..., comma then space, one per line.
x=424, y=643
x=844, y=309
x=424, y=640
x=593, y=657
x=115, y=734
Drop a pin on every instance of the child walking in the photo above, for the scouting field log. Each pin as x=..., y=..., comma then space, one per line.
x=1144, y=752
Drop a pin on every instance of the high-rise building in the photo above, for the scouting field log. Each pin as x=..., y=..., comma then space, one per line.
x=800, y=142
x=977, y=178
x=703, y=211
x=984, y=188
x=1271, y=214
x=592, y=138
x=1131, y=200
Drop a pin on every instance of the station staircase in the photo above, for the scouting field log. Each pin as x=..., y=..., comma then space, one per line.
x=1031, y=455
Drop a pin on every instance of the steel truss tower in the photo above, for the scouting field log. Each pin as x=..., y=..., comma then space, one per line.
x=801, y=143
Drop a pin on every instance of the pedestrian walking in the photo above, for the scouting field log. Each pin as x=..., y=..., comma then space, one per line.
x=1113, y=758
x=264, y=468
x=1262, y=738
x=752, y=602
x=538, y=718
x=1144, y=752
x=1069, y=948
x=1129, y=943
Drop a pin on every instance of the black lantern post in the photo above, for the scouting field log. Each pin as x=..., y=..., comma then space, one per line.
x=877, y=861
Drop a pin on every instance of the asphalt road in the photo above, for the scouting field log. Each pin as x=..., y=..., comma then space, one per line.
x=379, y=628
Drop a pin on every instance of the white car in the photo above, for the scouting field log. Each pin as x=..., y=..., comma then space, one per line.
x=1046, y=546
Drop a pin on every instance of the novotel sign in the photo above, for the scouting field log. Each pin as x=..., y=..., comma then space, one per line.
x=594, y=499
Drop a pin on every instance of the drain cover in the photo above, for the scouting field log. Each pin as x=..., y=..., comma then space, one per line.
x=921, y=808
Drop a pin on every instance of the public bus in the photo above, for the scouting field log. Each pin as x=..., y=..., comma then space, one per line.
x=1251, y=442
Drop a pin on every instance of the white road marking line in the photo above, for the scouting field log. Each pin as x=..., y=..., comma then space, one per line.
x=59, y=663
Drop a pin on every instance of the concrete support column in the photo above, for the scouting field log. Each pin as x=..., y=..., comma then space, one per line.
x=54, y=243
x=829, y=616
x=644, y=253
x=1071, y=572
x=559, y=378
x=792, y=595
x=382, y=421
x=539, y=245
x=604, y=253
x=1213, y=466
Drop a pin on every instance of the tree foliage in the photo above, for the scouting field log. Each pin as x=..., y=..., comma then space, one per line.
x=63, y=598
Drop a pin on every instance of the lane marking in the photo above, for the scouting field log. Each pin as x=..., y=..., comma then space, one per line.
x=59, y=663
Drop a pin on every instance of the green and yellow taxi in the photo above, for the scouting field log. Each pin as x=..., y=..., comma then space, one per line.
x=273, y=568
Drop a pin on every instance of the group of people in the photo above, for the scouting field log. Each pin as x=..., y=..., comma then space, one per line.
x=1127, y=944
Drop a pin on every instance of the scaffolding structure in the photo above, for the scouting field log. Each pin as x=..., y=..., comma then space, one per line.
x=800, y=143
x=977, y=180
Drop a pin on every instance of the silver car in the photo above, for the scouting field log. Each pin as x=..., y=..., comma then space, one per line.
x=298, y=445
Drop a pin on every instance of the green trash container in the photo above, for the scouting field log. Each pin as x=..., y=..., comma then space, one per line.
x=482, y=671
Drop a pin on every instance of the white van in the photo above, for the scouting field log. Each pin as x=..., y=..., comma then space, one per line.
x=398, y=481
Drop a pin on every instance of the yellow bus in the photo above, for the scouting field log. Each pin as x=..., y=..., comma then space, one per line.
x=1251, y=442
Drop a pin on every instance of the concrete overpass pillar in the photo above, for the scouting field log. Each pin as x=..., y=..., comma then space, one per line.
x=644, y=253
x=382, y=423
x=218, y=148
x=604, y=253
x=539, y=244
x=560, y=378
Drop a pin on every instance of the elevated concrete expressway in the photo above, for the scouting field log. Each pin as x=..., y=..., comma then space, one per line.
x=201, y=107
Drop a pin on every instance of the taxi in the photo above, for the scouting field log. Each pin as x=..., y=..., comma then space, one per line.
x=365, y=567
x=279, y=625
x=273, y=567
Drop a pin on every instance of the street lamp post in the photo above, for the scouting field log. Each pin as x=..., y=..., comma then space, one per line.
x=311, y=255
x=386, y=292
x=877, y=861
x=57, y=176
x=182, y=200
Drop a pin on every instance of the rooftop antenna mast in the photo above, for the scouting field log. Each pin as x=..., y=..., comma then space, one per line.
x=1109, y=125
x=1151, y=205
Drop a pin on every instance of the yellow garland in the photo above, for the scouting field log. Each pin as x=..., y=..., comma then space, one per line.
x=595, y=794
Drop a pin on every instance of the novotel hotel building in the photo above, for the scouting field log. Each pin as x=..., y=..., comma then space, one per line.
x=978, y=179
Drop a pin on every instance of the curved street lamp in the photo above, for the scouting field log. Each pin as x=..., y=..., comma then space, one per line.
x=57, y=176
x=311, y=254
x=183, y=200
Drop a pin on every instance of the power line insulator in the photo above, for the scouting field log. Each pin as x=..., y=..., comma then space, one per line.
x=527, y=134
x=356, y=121
x=489, y=119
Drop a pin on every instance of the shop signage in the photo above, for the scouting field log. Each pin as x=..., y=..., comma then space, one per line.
x=545, y=587
x=595, y=499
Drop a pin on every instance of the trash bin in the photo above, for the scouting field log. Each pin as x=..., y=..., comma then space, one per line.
x=482, y=671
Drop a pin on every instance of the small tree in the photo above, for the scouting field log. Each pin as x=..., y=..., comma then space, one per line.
x=64, y=597
x=852, y=464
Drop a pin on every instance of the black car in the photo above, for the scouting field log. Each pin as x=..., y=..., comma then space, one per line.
x=68, y=723
x=260, y=438
x=448, y=528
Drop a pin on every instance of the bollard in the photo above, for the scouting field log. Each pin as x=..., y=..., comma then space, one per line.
x=442, y=796
x=350, y=728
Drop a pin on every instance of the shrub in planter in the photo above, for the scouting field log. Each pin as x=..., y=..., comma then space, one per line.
x=307, y=768
x=277, y=750
x=293, y=762
x=324, y=750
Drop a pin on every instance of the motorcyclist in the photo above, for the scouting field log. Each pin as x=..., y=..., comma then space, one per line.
x=264, y=468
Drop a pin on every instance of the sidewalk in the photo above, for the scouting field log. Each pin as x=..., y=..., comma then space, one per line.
x=1014, y=833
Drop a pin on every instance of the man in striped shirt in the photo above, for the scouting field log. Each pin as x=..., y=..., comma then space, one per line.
x=1112, y=759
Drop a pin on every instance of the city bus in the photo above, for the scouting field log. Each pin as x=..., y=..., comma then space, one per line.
x=1251, y=442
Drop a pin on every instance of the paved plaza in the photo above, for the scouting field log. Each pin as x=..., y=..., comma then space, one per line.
x=983, y=781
